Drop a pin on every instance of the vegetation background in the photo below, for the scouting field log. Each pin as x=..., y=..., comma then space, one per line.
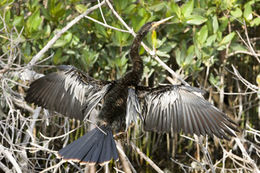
x=211, y=44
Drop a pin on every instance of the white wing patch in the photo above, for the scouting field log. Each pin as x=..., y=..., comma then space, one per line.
x=133, y=108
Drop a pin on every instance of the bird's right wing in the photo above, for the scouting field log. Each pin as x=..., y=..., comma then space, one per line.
x=174, y=108
x=68, y=91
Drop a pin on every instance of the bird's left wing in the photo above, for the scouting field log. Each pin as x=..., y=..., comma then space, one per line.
x=68, y=91
x=173, y=108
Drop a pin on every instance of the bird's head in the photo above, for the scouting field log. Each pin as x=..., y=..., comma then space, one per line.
x=153, y=25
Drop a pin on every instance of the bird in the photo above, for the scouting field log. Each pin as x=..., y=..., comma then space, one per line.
x=162, y=109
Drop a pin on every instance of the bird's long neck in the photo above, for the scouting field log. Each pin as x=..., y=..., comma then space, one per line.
x=134, y=76
x=134, y=54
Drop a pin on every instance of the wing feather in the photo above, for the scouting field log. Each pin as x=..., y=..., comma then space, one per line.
x=175, y=108
x=68, y=91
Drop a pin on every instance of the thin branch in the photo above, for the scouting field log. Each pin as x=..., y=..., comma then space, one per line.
x=106, y=25
x=242, y=52
x=245, y=82
x=125, y=161
x=147, y=159
x=101, y=12
x=10, y=157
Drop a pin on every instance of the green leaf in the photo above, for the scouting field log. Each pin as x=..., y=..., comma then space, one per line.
x=223, y=23
x=237, y=47
x=120, y=38
x=154, y=39
x=56, y=9
x=34, y=22
x=59, y=43
x=236, y=13
x=81, y=8
x=189, y=57
x=100, y=31
x=167, y=47
x=248, y=12
x=176, y=9
x=187, y=8
x=57, y=57
x=162, y=54
x=18, y=21
x=157, y=7
x=68, y=37
x=130, y=9
x=178, y=57
x=89, y=57
x=120, y=5
x=202, y=34
x=215, y=24
x=211, y=39
x=227, y=38
x=197, y=51
x=46, y=31
x=196, y=20
x=255, y=22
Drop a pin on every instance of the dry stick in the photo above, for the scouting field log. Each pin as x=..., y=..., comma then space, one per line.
x=245, y=154
x=101, y=12
x=145, y=47
x=242, y=52
x=250, y=46
x=9, y=156
x=57, y=36
x=35, y=116
x=106, y=25
x=147, y=159
x=5, y=168
x=244, y=81
x=125, y=161
x=53, y=167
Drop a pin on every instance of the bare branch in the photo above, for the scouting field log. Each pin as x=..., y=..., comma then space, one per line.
x=147, y=159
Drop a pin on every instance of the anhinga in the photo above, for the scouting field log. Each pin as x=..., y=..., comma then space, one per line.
x=170, y=108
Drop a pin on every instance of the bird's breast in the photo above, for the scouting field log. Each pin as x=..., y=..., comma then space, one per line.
x=114, y=107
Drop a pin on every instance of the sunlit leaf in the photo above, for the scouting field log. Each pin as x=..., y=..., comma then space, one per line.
x=255, y=22
x=215, y=24
x=248, y=12
x=34, y=22
x=227, y=38
x=178, y=56
x=187, y=8
x=211, y=39
x=158, y=7
x=236, y=13
x=81, y=8
x=202, y=34
x=154, y=39
x=176, y=9
x=196, y=20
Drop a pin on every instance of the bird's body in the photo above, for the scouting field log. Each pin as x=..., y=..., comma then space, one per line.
x=114, y=106
x=171, y=108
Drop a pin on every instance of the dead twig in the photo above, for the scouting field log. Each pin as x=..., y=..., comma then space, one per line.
x=147, y=159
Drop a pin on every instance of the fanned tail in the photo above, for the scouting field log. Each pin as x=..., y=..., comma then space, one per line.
x=95, y=147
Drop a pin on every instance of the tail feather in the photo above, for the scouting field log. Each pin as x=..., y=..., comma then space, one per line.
x=94, y=147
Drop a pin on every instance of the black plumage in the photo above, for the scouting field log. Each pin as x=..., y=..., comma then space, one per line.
x=171, y=108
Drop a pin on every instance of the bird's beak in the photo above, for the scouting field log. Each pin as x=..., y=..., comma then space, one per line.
x=155, y=24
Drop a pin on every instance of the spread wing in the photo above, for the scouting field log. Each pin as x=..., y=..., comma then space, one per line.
x=68, y=91
x=174, y=108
